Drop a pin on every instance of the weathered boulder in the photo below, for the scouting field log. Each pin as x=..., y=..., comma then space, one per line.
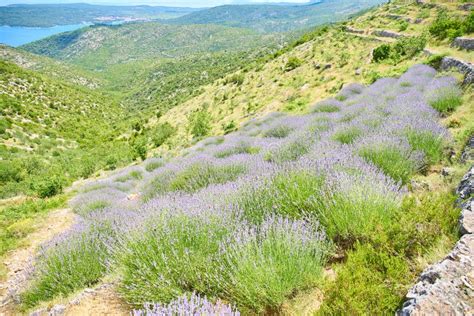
x=466, y=43
x=462, y=66
x=445, y=288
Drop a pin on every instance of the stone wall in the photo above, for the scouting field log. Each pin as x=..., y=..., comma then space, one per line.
x=447, y=287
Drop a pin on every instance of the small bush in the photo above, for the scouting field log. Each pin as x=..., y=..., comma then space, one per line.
x=153, y=165
x=237, y=79
x=447, y=26
x=200, y=123
x=48, y=187
x=199, y=176
x=374, y=277
x=161, y=133
x=175, y=257
x=325, y=108
x=288, y=152
x=293, y=63
x=381, y=53
x=264, y=267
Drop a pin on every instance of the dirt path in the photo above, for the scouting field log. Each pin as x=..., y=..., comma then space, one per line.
x=18, y=261
x=101, y=300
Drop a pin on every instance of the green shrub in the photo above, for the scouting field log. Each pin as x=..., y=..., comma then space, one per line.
x=229, y=127
x=263, y=269
x=288, y=152
x=381, y=53
x=446, y=25
x=239, y=149
x=48, y=187
x=325, y=108
x=200, y=123
x=161, y=133
x=237, y=79
x=153, y=165
x=290, y=194
x=368, y=282
x=293, y=63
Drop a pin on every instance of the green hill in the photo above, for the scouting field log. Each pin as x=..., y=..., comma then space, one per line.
x=53, y=132
x=277, y=18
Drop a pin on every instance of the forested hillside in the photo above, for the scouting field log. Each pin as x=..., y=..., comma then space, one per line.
x=277, y=18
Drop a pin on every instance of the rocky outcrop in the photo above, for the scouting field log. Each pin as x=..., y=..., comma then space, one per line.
x=466, y=43
x=447, y=287
x=384, y=33
x=466, y=68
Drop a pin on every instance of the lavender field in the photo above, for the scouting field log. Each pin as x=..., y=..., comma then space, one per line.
x=241, y=223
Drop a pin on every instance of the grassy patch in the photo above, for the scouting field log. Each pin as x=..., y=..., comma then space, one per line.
x=392, y=161
x=430, y=145
x=381, y=271
x=280, y=131
x=199, y=176
x=239, y=149
x=348, y=135
x=16, y=221
x=288, y=152
x=447, y=100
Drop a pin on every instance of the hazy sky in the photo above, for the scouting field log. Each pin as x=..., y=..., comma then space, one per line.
x=175, y=3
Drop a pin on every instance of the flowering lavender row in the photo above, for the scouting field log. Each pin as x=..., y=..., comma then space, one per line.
x=238, y=216
x=184, y=306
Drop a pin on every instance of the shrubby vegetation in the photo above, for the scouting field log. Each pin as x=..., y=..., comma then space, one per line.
x=403, y=48
x=448, y=26
x=251, y=218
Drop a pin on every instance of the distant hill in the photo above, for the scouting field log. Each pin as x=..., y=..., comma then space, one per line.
x=277, y=18
x=44, y=15
x=153, y=64
x=98, y=47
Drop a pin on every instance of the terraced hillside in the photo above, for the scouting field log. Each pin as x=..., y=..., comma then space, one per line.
x=319, y=64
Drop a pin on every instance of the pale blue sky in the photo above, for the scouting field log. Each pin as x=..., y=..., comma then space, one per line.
x=174, y=3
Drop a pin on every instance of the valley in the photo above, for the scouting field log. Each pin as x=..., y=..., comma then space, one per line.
x=242, y=159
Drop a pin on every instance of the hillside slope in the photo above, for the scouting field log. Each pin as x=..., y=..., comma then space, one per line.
x=98, y=47
x=50, y=130
x=318, y=66
x=277, y=18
